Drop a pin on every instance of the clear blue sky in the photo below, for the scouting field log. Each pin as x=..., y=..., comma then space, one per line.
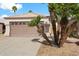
x=35, y=7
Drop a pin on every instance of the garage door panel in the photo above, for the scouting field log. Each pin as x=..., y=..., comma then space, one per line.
x=23, y=30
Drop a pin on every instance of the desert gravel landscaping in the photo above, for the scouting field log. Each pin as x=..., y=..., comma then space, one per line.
x=70, y=48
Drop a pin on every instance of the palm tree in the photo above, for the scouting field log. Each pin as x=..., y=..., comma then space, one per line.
x=40, y=29
x=30, y=11
x=14, y=8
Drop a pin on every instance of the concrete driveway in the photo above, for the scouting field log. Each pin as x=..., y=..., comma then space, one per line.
x=19, y=46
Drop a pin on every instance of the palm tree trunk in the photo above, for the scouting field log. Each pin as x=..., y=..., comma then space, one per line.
x=41, y=30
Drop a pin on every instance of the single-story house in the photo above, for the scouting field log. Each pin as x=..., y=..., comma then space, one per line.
x=17, y=25
x=1, y=28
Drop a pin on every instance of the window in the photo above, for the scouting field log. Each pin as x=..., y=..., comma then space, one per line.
x=41, y=22
x=24, y=23
x=12, y=23
x=20, y=23
x=15, y=23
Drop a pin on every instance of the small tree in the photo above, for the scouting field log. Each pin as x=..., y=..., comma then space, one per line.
x=63, y=10
x=40, y=29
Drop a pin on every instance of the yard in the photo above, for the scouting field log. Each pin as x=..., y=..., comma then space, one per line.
x=31, y=46
x=70, y=48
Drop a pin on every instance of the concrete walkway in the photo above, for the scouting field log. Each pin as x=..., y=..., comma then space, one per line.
x=19, y=46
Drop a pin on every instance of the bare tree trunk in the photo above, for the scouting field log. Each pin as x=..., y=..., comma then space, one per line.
x=41, y=31
x=53, y=22
x=63, y=38
x=64, y=32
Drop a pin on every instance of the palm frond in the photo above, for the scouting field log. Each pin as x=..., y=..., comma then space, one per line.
x=14, y=8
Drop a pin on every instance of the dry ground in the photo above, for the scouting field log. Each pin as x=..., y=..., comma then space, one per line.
x=71, y=48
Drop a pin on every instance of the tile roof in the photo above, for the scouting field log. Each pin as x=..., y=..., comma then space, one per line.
x=25, y=16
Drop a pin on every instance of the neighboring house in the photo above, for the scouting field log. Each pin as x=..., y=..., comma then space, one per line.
x=1, y=28
x=17, y=25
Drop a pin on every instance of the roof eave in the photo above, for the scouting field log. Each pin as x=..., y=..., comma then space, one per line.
x=23, y=17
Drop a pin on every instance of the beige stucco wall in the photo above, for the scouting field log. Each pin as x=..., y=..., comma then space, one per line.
x=7, y=32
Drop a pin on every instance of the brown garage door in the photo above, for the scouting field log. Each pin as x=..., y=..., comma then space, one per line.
x=22, y=29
